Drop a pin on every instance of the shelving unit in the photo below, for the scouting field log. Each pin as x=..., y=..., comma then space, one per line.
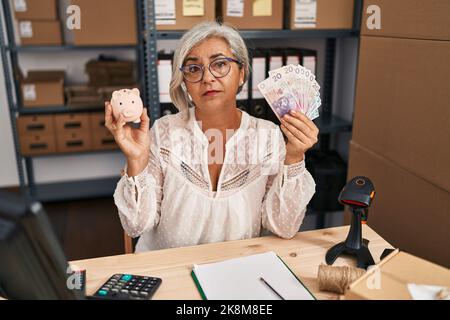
x=69, y=190
x=74, y=190
x=65, y=48
x=146, y=54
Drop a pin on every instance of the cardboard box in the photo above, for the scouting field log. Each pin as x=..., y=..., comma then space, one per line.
x=36, y=124
x=43, y=88
x=402, y=104
x=72, y=123
x=35, y=9
x=409, y=19
x=36, y=135
x=97, y=120
x=106, y=22
x=102, y=139
x=73, y=141
x=110, y=79
x=409, y=212
x=107, y=91
x=110, y=73
x=37, y=144
x=322, y=14
x=270, y=18
x=178, y=21
x=390, y=278
x=83, y=96
x=37, y=32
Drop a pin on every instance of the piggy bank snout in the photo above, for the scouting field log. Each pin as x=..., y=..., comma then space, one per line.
x=127, y=103
x=130, y=112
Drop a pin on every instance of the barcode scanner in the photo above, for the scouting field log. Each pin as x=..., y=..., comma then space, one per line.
x=358, y=194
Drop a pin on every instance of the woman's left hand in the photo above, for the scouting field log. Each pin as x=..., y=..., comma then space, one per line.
x=301, y=133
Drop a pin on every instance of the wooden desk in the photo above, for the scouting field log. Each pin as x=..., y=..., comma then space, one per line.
x=303, y=254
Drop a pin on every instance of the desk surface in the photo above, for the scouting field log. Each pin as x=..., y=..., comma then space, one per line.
x=303, y=254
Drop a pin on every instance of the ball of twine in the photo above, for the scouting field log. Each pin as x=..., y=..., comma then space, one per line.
x=337, y=279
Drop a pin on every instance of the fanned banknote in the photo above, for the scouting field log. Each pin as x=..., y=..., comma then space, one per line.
x=292, y=87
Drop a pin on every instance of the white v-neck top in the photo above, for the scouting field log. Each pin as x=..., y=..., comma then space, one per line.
x=171, y=203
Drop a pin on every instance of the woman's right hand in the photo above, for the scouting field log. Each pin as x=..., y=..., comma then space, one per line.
x=134, y=143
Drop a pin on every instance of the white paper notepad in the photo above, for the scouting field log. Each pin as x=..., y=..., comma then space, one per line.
x=239, y=279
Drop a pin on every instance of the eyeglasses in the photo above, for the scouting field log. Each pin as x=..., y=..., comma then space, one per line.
x=219, y=68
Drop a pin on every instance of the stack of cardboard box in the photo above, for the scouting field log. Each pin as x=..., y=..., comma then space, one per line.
x=402, y=124
x=107, y=75
x=392, y=277
x=37, y=135
x=38, y=22
x=110, y=73
x=64, y=133
x=256, y=14
x=83, y=96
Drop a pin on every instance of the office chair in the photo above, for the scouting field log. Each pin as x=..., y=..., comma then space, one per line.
x=128, y=243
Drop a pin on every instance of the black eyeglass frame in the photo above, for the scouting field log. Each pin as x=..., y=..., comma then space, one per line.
x=202, y=67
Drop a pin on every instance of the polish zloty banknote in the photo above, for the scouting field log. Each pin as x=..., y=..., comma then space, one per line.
x=278, y=95
x=302, y=85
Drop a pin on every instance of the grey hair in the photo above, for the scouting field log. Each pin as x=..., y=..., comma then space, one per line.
x=190, y=39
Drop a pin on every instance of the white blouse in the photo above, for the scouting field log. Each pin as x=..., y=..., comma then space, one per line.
x=172, y=203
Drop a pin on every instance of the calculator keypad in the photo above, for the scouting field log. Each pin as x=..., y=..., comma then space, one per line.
x=127, y=286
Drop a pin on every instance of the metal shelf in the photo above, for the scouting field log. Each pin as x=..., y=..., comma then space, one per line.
x=275, y=34
x=77, y=153
x=58, y=109
x=175, y=35
x=74, y=190
x=50, y=48
x=333, y=125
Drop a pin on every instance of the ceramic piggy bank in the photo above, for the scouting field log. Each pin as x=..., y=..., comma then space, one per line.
x=128, y=103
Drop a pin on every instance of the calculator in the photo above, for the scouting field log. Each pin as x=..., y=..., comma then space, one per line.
x=128, y=287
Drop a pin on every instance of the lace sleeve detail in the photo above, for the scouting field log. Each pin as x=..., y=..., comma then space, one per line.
x=294, y=170
x=138, y=199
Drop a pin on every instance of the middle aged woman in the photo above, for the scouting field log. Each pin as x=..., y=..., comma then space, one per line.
x=211, y=172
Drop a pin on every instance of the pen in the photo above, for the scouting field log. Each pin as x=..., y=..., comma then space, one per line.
x=271, y=288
